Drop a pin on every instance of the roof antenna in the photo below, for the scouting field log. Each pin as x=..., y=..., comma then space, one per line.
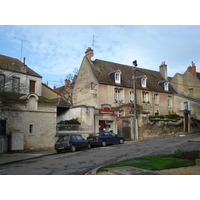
x=22, y=41
x=93, y=41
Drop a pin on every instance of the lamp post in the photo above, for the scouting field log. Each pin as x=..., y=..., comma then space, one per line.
x=135, y=99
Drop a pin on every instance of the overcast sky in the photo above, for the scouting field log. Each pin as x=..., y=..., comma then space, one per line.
x=54, y=51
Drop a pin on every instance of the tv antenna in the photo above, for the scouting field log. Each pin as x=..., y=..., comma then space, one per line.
x=93, y=41
x=22, y=42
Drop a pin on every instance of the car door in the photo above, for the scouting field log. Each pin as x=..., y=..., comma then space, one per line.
x=107, y=138
x=82, y=142
x=75, y=141
x=113, y=138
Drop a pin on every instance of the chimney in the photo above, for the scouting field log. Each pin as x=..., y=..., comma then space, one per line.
x=89, y=53
x=23, y=68
x=192, y=69
x=163, y=70
x=24, y=61
x=67, y=83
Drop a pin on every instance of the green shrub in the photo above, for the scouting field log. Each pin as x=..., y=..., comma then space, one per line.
x=178, y=153
x=71, y=121
x=170, y=116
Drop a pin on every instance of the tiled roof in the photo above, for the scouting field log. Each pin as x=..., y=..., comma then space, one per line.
x=101, y=70
x=198, y=75
x=15, y=65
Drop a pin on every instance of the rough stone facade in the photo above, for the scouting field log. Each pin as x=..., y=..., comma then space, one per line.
x=38, y=126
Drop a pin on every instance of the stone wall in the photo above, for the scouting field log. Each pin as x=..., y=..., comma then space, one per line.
x=160, y=128
x=38, y=126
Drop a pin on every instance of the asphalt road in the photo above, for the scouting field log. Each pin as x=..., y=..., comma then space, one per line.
x=81, y=162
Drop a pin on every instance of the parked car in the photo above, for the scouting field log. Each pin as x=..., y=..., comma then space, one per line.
x=105, y=138
x=71, y=142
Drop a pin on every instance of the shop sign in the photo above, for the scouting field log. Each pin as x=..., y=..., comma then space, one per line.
x=118, y=118
x=106, y=110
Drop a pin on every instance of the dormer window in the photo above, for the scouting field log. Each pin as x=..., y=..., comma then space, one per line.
x=116, y=76
x=143, y=81
x=164, y=84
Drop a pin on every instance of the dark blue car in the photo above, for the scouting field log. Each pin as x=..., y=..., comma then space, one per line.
x=105, y=138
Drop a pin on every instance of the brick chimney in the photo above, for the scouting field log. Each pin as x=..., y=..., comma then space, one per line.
x=89, y=53
x=192, y=69
x=163, y=70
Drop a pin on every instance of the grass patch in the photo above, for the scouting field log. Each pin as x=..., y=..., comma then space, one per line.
x=155, y=162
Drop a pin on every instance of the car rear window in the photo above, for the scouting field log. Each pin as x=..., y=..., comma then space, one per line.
x=65, y=138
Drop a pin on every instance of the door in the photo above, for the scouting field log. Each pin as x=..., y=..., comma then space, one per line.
x=186, y=122
x=2, y=127
x=32, y=87
x=101, y=126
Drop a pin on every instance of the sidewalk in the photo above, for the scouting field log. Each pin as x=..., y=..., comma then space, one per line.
x=11, y=157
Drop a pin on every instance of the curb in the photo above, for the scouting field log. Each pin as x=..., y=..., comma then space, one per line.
x=15, y=161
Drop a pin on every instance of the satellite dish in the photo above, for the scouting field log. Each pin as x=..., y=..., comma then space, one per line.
x=93, y=58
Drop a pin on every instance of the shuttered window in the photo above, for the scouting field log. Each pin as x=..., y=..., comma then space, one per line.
x=32, y=87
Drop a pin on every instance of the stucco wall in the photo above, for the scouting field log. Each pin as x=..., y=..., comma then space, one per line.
x=38, y=126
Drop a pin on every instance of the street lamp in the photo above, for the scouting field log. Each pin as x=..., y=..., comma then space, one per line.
x=135, y=100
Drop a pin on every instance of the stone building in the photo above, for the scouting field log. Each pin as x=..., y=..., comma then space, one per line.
x=107, y=88
x=27, y=118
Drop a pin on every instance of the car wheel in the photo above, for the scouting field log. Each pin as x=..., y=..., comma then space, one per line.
x=58, y=151
x=73, y=148
x=121, y=141
x=103, y=144
x=88, y=145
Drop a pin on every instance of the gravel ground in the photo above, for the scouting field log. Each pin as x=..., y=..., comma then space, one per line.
x=193, y=170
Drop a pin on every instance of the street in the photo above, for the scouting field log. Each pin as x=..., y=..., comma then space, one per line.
x=83, y=161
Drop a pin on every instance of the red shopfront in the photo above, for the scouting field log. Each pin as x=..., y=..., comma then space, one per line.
x=106, y=119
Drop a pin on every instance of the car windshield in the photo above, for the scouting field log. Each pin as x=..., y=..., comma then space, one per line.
x=65, y=138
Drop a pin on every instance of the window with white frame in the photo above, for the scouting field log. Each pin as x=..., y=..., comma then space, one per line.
x=145, y=97
x=131, y=96
x=144, y=82
x=118, y=95
x=166, y=86
x=156, y=99
x=169, y=101
x=120, y=113
x=118, y=77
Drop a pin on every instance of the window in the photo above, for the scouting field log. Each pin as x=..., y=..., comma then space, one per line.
x=131, y=96
x=169, y=101
x=117, y=78
x=32, y=86
x=2, y=82
x=30, y=128
x=145, y=97
x=166, y=86
x=15, y=84
x=144, y=82
x=185, y=105
x=79, y=137
x=118, y=95
x=156, y=99
x=120, y=113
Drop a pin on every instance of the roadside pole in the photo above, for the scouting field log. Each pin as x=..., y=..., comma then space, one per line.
x=135, y=99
